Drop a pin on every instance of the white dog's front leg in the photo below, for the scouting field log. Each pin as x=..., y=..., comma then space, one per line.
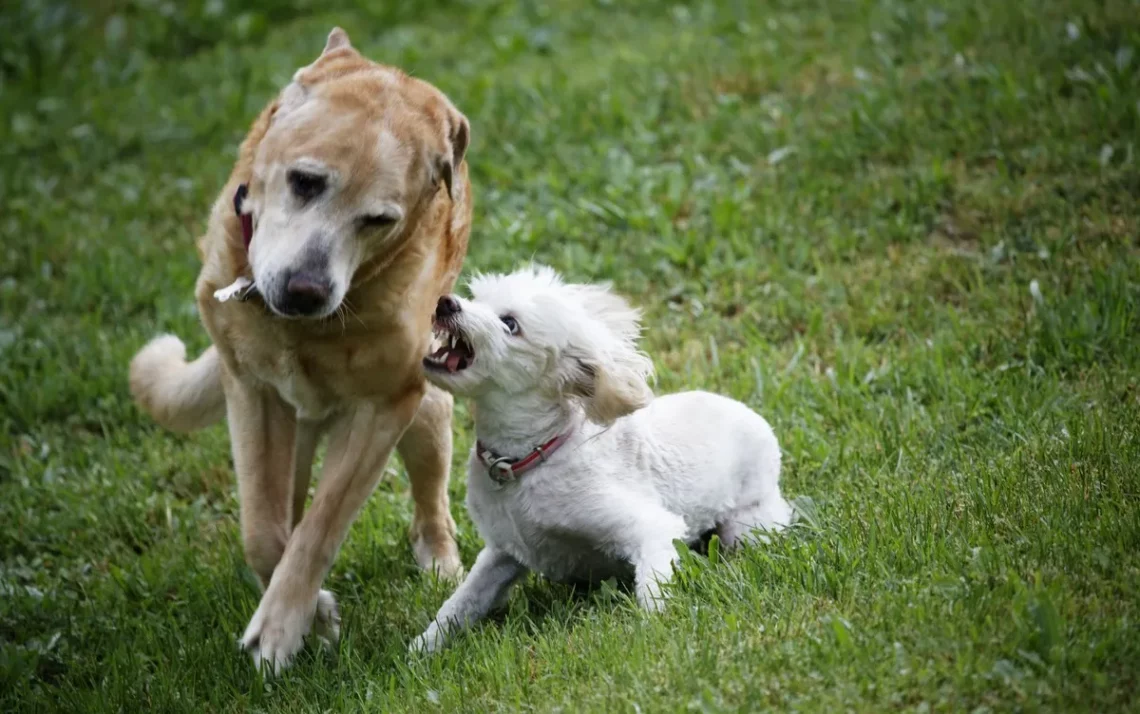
x=648, y=533
x=485, y=588
x=653, y=567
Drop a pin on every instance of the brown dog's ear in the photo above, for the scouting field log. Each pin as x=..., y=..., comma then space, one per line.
x=296, y=91
x=337, y=38
x=458, y=132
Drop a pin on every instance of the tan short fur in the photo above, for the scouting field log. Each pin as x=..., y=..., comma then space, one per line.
x=391, y=144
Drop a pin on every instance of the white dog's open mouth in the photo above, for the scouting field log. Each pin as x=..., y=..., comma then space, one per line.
x=449, y=352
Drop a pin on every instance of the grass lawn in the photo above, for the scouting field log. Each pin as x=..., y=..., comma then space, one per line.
x=905, y=232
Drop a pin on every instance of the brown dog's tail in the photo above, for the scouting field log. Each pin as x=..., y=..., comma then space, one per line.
x=180, y=395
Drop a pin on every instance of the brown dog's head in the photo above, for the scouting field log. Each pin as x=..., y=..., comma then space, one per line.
x=353, y=153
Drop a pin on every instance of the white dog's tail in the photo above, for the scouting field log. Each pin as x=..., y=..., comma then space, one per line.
x=180, y=395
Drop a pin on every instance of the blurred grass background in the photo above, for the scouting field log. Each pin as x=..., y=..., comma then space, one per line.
x=833, y=211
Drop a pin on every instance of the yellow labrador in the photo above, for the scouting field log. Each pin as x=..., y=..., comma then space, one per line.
x=345, y=218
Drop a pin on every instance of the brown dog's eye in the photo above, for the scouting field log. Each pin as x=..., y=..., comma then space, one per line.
x=378, y=220
x=306, y=186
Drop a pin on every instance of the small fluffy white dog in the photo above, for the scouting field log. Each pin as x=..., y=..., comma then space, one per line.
x=579, y=473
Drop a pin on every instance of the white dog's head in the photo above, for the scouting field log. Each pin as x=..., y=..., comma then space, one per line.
x=530, y=333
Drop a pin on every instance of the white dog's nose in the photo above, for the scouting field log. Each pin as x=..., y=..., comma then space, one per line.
x=446, y=307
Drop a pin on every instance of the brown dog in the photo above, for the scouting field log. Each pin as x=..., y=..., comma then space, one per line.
x=352, y=214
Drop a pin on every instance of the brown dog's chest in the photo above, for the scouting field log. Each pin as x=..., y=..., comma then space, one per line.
x=318, y=372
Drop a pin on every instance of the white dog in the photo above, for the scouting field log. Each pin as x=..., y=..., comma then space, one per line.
x=579, y=473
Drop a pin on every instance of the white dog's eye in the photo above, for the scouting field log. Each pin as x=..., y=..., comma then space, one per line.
x=511, y=323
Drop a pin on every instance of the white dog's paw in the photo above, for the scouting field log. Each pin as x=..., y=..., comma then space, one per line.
x=326, y=624
x=651, y=597
x=652, y=604
x=447, y=566
x=277, y=630
x=430, y=642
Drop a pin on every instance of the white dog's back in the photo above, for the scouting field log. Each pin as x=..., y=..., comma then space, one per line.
x=715, y=451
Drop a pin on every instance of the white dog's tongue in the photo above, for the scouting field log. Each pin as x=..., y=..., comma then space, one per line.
x=453, y=361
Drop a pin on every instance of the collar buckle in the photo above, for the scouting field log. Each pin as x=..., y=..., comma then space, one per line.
x=501, y=470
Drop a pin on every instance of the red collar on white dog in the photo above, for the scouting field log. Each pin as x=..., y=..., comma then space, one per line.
x=504, y=469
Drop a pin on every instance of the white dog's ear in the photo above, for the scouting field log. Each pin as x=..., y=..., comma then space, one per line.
x=606, y=370
x=610, y=389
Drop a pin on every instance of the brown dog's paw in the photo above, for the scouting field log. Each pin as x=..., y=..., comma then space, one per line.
x=442, y=559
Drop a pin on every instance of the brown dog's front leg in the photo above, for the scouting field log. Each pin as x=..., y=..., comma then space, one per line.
x=426, y=451
x=360, y=442
x=308, y=435
x=262, y=434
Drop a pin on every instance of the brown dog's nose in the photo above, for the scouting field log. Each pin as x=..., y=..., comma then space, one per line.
x=446, y=307
x=305, y=293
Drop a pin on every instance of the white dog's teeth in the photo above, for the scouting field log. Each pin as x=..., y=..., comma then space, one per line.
x=454, y=340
